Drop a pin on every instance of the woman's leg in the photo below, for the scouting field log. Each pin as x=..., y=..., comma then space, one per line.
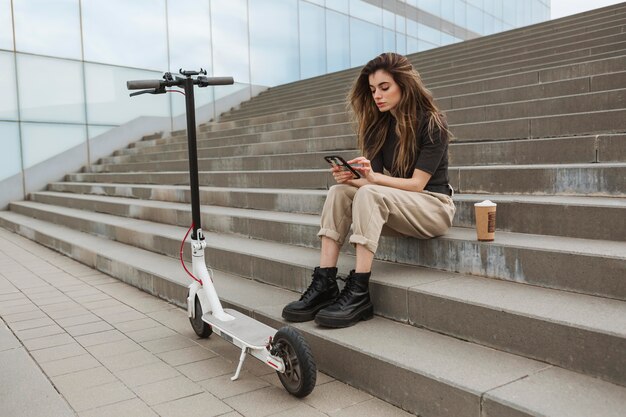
x=335, y=225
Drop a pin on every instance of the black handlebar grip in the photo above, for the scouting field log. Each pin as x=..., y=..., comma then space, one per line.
x=143, y=84
x=219, y=80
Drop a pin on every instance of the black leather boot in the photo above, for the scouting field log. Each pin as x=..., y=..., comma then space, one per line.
x=352, y=305
x=321, y=293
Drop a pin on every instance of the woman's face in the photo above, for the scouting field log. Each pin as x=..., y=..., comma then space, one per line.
x=385, y=91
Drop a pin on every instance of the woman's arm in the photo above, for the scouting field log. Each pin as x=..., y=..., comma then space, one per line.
x=416, y=183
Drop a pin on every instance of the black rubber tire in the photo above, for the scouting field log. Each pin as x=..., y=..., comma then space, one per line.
x=301, y=372
x=201, y=328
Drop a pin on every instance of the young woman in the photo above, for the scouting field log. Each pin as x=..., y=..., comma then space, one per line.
x=403, y=138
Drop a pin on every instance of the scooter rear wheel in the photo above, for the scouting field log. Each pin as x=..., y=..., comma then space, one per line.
x=201, y=328
x=300, y=369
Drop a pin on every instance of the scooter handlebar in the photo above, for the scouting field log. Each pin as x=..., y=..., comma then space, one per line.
x=218, y=80
x=143, y=84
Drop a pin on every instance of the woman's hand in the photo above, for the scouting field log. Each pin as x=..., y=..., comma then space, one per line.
x=364, y=167
x=340, y=175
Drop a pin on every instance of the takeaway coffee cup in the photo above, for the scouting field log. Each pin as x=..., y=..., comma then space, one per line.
x=485, y=220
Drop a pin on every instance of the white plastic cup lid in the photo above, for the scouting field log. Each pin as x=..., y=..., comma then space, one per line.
x=486, y=203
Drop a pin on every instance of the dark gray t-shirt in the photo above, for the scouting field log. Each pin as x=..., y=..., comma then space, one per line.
x=432, y=156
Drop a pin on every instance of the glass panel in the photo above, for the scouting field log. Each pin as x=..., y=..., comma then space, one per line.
x=108, y=101
x=411, y=27
x=339, y=5
x=389, y=40
x=41, y=141
x=274, y=49
x=508, y=12
x=10, y=158
x=389, y=19
x=400, y=24
x=53, y=95
x=474, y=19
x=401, y=44
x=460, y=13
x=424, y=46
x=366, y=42
x=230, y=39
x=447, y=10
x=489, y=24
x=6, y=25
x=48, y=27
x=429, y=34
x=320, y=2
x=366, y=11
x=128, y=33
x=490, y=7
x=189, y=30
x=497, y=11
x=8, y=104
x=202, y=96
x=337, y=41
x=312, y=40
x=411, y=45
x=430, y=6
x=94, y=130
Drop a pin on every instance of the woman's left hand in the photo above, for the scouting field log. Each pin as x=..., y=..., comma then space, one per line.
x=364, y=167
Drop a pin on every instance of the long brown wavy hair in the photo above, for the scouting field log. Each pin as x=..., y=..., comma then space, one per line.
x=415, y=112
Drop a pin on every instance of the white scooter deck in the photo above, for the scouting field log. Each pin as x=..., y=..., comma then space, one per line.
x=252, y=333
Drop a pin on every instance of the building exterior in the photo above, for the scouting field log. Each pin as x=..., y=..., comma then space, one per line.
x=65, y=62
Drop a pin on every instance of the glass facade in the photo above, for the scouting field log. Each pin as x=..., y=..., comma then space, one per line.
x=65, y=62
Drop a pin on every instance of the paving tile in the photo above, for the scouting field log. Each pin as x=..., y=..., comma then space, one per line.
x=186, y=355
x=77, y=381
x=29, y=315
x=263, y=402
x=301, y=410
x=371, y=408
x=98, y=396
x=175, y=318
x=69, y=365
x=48, y=341
x=123, y=317
x=168, y=390
x=31, y=324
x=130, y=326
x=82, y=329
x=70, y=312
x=7, y=339
x=66, y=305
x=113, y=348
x=147, y=374
x=128, y=408
x=151, y=333
x=209, y=368
x=58, y=352
x=18, y=309
x=223, y=387
x=94, y=305
x=13, y=295
x=334, y=396
x=93, y=297
x=99, y=338
x=167, y=343
x=128, y=360
x=76, y=320
x=200, y=405
x=39, y=332
x=98, y=279
x=152, y=305
x=45, y=301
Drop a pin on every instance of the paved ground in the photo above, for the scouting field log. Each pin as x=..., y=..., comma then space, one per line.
x=79, y=342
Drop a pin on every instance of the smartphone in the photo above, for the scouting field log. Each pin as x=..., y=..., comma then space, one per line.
x=339, y=161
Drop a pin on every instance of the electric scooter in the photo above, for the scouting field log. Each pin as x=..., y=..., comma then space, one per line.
x=286, y=351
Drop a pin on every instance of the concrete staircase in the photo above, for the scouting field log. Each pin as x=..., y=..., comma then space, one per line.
x=531, y=324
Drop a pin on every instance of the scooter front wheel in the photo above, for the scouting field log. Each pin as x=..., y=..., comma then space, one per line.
x=300, y=369
x=201, y=328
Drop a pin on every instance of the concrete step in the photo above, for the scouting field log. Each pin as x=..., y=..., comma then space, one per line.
x=567, y=179
x=578, y=217
x=546, y=261
x=308, y=154
x=479, y=87
x=487, y=300
x=426, y=373
x=598, y=122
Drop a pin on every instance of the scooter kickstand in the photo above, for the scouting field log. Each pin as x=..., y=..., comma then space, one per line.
x=242, y=357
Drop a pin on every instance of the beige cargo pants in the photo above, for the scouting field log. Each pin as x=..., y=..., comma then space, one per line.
x=372, y=208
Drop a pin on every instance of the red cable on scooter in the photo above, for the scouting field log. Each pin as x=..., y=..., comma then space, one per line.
x=182, y=245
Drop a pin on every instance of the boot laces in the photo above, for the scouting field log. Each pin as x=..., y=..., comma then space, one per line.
x=349, y=288
x=314, y=287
